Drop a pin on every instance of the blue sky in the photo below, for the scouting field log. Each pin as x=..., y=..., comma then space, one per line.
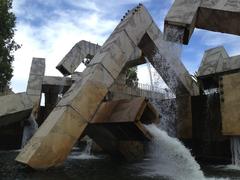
x=49, y=29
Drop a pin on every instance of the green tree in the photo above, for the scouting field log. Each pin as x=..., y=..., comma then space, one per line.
x=7, y=43
x=131, y=77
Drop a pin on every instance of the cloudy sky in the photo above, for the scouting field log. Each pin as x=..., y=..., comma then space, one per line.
x=50, y=28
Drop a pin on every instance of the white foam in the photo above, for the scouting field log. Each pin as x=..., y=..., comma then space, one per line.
x=170, y=158
x=84, y=156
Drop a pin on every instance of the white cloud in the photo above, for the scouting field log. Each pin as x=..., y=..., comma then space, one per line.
x=54, y=39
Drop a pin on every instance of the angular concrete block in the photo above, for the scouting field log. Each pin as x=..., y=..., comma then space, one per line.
x=114, y=53
x=216, y=61
x=233, y=64
x=76, y=55
x=181, y=18
x=53, y=141
x=213, y=15
x=38, y=66
x=14, y=107
x=230, y=104
x=136, y=23
x=76, y=76
x=220, y=16
x=34, y=87
x=212, y=61
x=56, y=85
x=98, y=73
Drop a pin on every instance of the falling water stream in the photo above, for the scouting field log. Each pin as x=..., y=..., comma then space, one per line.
x=235, y=150
x=29, y=129
x=169, y=157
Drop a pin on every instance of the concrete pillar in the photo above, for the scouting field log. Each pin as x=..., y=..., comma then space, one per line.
x=214, y=15
x=34, y=87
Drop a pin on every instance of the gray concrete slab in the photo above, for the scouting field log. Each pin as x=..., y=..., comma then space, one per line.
x=14, y=108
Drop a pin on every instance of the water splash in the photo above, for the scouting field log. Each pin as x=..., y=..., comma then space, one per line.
x=169, y=157
x=235, y=149
x=86, y=153
x=29, y=129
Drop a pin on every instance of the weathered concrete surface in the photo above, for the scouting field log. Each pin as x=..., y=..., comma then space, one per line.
x=216, y=61
x=118, y=127
x=87, y=94
x=213, y=61
x=15, y=107
x=213, y=15
x=126, y=111
x=230, y=104
x=181, y=18
x=34, y=87
x=53, y=141
x=76, y=55
x=46, y=148
x=56, y=85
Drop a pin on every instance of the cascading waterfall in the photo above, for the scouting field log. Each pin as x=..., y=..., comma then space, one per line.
x=235, y=149
x=29, y=129
x=88, y=147
x=87, y=152
x=169, y=157
x=167, y=107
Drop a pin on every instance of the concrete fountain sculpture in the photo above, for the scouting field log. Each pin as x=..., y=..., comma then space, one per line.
x=83, y=103
x=89, y=105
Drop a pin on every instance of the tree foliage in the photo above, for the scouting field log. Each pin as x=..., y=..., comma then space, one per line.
x=131, y=77
x=7, y=43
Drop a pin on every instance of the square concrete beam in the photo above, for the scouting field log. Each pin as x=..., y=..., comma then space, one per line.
x=34, y=87
x=214, y=15
x=115, y=52
x=87, y=93
x=14, y=108
x=76, y=55
x=135, y=23
x=53, y=141
x=56, y=85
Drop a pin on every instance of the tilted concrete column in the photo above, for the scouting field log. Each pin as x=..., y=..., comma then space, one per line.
x=214, y=15
x=76, y=55
x=55, y=138
x=34, y=91
x=34, y=87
